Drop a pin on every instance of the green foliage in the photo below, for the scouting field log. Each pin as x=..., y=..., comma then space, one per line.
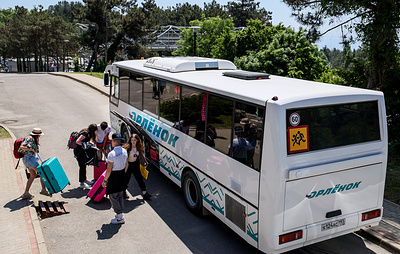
x=212, y=30
x=4, y=133
x=257, y=36
x=244, y=10
x=214, y=9
x=35, y=34
x=65, y=10
x=331, y=77
x=289, y=53
x=182, y=14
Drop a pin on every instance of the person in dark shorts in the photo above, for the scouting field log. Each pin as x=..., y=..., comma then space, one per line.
x=114, y=180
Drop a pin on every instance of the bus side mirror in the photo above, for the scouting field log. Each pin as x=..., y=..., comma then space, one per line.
x=106, y=78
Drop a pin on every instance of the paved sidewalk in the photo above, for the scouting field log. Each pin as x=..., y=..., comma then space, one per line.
x=19, y=224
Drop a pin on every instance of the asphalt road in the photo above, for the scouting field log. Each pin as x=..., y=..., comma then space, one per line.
x=162, y=225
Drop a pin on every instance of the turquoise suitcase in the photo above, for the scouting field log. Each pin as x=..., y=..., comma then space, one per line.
x=53, y=175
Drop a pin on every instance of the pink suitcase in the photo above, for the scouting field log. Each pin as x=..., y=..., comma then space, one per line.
x=97, y=171
x=97, y=192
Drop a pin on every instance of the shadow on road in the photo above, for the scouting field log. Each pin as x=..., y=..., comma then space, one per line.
x=17, y=204
x=107, y=231
x=75, y=193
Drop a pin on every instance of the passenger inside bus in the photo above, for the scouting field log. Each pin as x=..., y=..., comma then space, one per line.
x=242, y=149
x=200, y=133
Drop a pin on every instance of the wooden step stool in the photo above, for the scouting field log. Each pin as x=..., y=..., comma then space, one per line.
x=48, y=208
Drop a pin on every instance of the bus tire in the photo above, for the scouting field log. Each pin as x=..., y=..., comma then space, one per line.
x=192, y=193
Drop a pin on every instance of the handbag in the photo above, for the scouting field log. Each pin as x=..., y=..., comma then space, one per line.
x=144, y=172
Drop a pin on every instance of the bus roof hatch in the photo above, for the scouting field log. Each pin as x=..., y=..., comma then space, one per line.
x=247, y=75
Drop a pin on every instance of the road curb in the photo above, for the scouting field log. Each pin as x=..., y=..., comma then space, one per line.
x=80, y=81
x=41, y=244
x=380, y=239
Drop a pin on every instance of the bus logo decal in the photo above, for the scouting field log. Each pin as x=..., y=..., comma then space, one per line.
x=298, y=139
x=154, y=129
x=336, y=188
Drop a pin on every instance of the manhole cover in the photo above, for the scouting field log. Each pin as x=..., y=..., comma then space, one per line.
x=9, y=121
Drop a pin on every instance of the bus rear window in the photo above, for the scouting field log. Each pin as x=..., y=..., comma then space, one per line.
x=316, y=128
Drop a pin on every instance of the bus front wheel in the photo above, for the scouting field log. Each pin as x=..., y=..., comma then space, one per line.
x=192, y=193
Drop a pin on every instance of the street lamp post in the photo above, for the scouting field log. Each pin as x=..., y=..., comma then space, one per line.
x=195, y=29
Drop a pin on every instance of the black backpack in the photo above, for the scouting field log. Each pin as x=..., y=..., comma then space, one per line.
x=72, y=140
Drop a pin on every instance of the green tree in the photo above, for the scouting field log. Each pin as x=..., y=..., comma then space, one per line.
x=289, y=54
x=243, y=10
x=182, y=14
x=138, y=24
x=65, y=10
x=257, y=36
x=211, y=30
x=214, y=9
x=104, y=17
x=5, y=18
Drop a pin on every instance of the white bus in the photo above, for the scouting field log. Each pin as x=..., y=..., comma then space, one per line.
x=283, y=162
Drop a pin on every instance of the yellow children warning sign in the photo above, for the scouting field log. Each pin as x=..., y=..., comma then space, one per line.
x=298, y=139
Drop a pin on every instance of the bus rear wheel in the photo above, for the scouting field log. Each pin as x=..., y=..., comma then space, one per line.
x=192, y=193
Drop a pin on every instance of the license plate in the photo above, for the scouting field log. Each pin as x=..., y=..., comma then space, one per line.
x=333, y=224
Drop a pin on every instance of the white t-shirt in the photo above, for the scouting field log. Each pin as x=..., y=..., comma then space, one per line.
x=100, y=134
x=118, y=157
x=240, y=147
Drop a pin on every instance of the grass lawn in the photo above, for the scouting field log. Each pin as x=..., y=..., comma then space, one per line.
x=94, y=74
x=4, y=133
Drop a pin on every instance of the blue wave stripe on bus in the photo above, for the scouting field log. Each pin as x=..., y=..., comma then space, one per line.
x=169, y=164
x=214, y=195
x=251, y=233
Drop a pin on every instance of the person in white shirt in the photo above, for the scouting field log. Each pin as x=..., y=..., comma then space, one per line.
x=242, y=149
x=114, y=180
x=102, y=139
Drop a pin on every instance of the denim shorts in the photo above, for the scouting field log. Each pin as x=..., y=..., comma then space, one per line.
x=30, y=161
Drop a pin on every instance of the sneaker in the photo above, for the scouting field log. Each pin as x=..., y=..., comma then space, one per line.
x=118, y=220
x=89, y=182
x=26, y=195
x=44, y=192
x=84, y=186
x=146, y=196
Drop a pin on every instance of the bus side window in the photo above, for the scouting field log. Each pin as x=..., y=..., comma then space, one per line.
x=151, y=95
x=219, y=122
x=249, y=122
x=135, y=90
x=192, y=103
x=124, y=85
x=169, y=102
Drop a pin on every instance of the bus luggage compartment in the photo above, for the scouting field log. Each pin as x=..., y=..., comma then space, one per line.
x=328, y=198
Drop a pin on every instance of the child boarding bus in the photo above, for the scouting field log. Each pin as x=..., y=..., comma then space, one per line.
x=283, y=162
